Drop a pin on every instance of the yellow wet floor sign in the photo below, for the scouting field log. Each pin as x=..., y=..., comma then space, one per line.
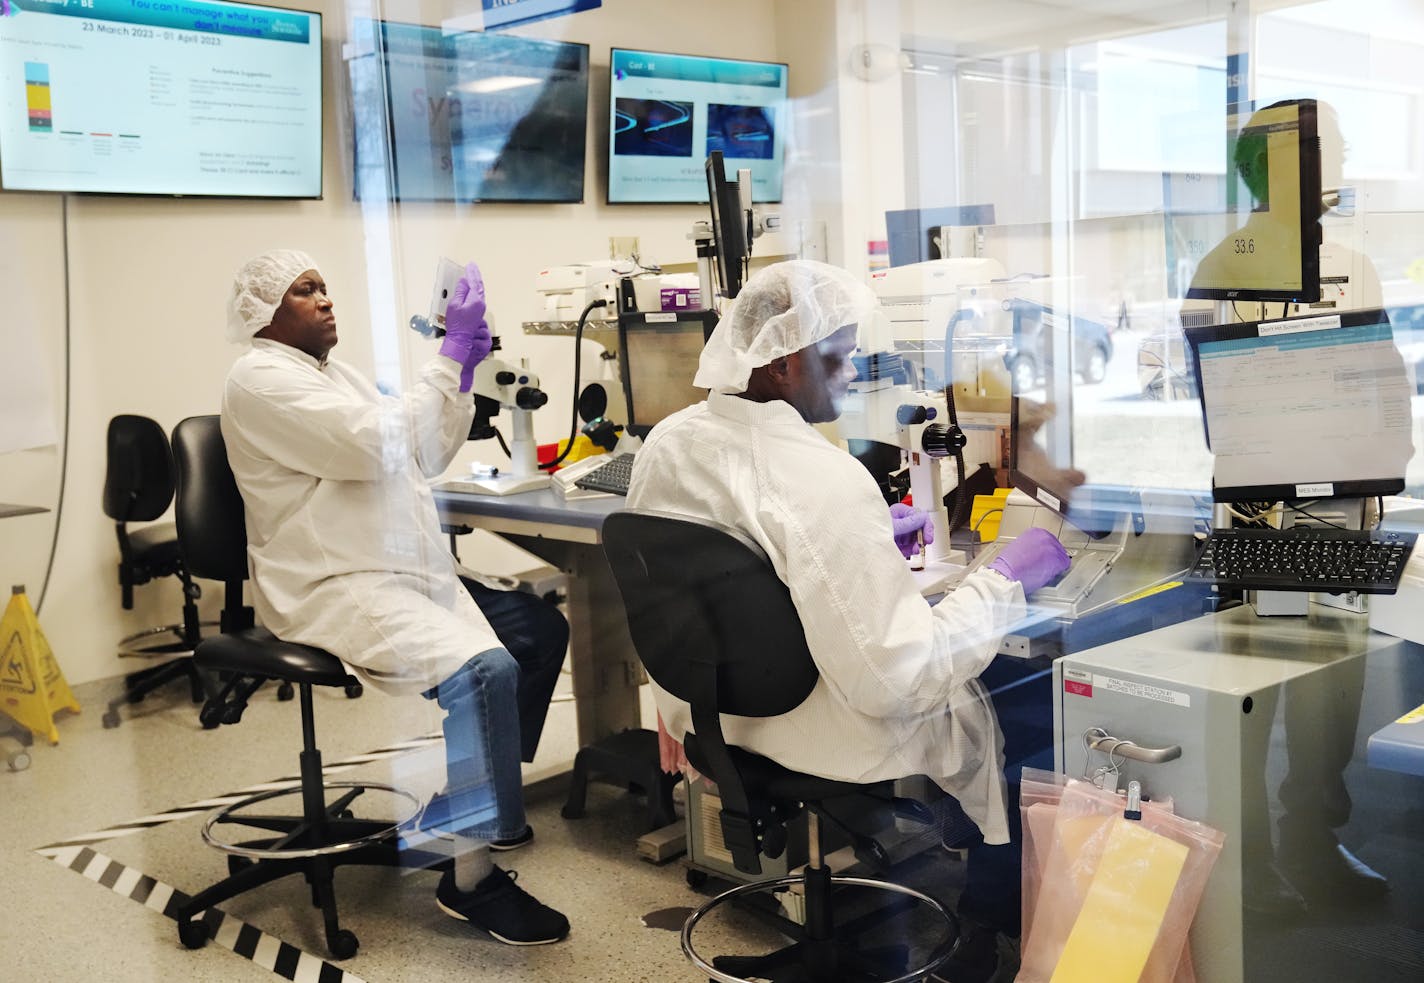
x=32, y=689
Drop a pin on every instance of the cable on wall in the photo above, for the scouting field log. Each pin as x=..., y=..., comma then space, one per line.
x=64, y=448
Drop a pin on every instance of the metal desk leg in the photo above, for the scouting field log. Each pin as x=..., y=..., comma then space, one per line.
x=606, y=670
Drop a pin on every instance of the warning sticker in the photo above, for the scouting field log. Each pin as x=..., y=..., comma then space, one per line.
x=1143, y=691
x=1074, y=688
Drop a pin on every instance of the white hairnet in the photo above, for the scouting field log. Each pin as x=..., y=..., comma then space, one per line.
x=257, y=290
x=782, y=309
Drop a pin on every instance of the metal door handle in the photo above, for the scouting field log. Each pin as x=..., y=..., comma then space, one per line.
x=1100, y=740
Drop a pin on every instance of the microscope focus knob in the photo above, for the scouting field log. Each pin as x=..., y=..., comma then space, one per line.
x=909, y=413
x=529, y=398
x=504, y=377
x=939, y=440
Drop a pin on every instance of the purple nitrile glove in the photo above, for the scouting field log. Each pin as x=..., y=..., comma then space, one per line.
x=907, y=520
x=467, y=337
x=1033, y=558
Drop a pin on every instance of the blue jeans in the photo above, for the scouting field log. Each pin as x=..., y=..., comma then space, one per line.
x=485, y=795
x=536, y=634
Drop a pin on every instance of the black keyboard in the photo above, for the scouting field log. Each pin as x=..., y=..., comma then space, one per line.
x=1305, y=559
x=612, y=477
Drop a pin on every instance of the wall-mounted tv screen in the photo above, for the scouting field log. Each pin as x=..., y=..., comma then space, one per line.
x=467, y=116
x=667, y=113
x=160, y=97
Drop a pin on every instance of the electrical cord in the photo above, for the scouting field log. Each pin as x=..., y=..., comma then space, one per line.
x=980, y=521
x=64, y=449
x=502, y=445
x=578, y=361
x=1260, y=514
x=1316, y=518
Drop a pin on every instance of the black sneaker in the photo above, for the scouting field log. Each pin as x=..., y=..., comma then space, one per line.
x=502, y=908
x=514, y=842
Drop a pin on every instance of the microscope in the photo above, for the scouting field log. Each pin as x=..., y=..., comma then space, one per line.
x=497, y=385
x=890, y=425
x=500, y=385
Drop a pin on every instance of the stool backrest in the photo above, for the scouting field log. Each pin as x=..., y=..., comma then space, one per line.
x=698, y=595
x=211, y=526
x=138, y=474
x=715, y=626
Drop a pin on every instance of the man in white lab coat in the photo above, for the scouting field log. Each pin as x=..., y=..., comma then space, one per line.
x=898, y=693
x=346, y=553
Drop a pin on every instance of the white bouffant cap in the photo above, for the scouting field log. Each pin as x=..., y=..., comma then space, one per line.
x=257, y=290
x=782, y=309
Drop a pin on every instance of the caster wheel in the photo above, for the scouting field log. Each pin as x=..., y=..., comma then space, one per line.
x=696, y=878
x=210, y=717
x=111, y=719
x=236, y=863
x=569, y=812
x=285, y=692
x=343, y=944
x=231, y=714
x=354, y=691
x=193, y=933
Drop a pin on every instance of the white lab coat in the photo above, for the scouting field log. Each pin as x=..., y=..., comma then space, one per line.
x=344, y=544
x=898, y=693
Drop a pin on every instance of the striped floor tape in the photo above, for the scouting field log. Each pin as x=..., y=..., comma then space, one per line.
x=248, y=941
x=76, y=853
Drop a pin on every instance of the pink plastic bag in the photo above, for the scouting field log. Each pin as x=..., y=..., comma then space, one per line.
x=1060, y=884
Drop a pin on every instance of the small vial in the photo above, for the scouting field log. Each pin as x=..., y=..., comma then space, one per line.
x=917, y=559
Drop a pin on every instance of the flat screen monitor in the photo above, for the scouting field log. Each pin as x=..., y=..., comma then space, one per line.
x=728, y=227
x=658, y=356
x=1305, y=407
x=668, y=112
x=1267, y=242
x=199, y=98
x=468, y=116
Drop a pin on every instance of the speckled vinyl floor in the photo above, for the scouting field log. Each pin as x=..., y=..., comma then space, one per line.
x=59, y=925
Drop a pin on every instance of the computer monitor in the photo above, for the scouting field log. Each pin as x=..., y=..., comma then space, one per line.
x=1267, y=242
x=470, y=116
x=658, y=355
x=668, y=110
x=1304, y=407
x=729, y=227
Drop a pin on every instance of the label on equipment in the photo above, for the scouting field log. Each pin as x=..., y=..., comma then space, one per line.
x=1297, y=325
x=1324, y=489
x=1143, y=691
x=1076, y=682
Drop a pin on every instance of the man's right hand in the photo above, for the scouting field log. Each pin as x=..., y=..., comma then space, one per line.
x=467, y=335
x=1033, y=558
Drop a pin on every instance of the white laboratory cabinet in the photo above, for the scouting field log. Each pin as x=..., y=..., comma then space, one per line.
x=1212, y=687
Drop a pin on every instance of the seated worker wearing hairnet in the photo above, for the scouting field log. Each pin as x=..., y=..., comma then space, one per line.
x=898, y=693
x=345, y=553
